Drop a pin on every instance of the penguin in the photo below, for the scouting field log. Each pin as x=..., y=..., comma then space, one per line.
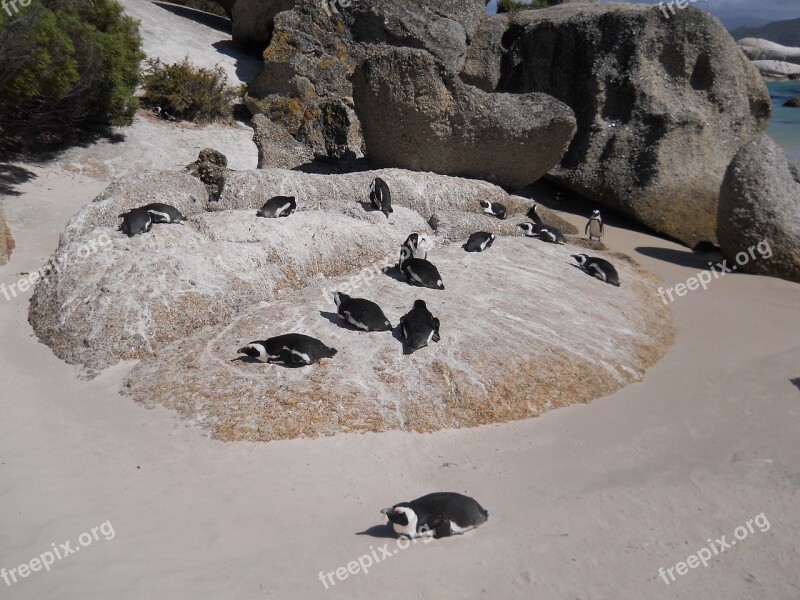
x=278, y=206
x=419, y=327
x=361, y=313
x=543, y=232
x=380, y=197
x=291, y=350
x=416, y=244
x=419, y=271
x=494, y=208
x=597, y=267
x=437, y=515
x=479, y=241
x=135, y=221
x=594, y=226
x=164, y=213
x=533, y=215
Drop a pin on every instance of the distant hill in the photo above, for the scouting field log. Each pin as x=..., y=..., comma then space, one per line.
x=781, y=32
x=735, y=21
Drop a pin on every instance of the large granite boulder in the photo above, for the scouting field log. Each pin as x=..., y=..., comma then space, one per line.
x=142, y=293
x=314, y=49
x=759, y=206
x=417, y=115
x=254, y=20
x=662, y=105
x=545, y=334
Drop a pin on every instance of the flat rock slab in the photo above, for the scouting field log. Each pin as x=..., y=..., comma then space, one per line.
x=522, y=331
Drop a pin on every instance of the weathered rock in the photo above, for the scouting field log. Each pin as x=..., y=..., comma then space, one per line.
x=760, y=200
x=482, y=65
x=305, y=85
x=253, y=21
x=417, y=115
x=6, y=241
x=758, y=49
x=147, y=291
x=776, y=69
x=793, y=102
x=372, y=386
x=210, y=168
x=277, y=149
x=454, y=225
x=662, y=105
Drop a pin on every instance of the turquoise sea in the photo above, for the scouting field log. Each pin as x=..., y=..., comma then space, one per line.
x=784, y=127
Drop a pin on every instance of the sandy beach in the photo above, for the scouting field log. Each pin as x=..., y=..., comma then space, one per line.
x=586, y=502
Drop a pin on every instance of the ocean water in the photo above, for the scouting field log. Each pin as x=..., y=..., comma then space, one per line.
x=784, y=127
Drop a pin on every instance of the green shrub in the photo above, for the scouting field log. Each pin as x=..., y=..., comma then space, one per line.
x=504, y=6
x=187, y=92
x=66, y=64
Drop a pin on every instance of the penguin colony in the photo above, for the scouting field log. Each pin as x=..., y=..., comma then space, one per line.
x=439, y=514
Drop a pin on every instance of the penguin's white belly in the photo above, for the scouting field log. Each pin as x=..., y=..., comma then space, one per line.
x=456, y=529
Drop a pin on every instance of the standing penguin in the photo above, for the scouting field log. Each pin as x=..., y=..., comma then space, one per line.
x=440, y=514
x=419, y=327
x=494, y=208
x=291, y=350
x=164, y=213
x=380, y=197
x=278, y=206
x=594, y=226
x=597, y=267
x=416, y=245
x=136, y=221
x=479, y=241
x=361, y=313
x=533, y=215
x=419, y=271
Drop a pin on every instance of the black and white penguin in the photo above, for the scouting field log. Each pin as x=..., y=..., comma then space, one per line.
x=533, y=215
x=479, y=241
x=136, y=221
x=291, y=350
x=594, y=226
x=278, y=206
x=419, y=271
x=419, y=327
x=494, y=208
x=437, y=515
x=416, y=245
x=598, y=267
x=164, y=213
x=545, y=233
x=380, y=197
x=361, y=313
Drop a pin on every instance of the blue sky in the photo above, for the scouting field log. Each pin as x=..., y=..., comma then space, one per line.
x=755, y=10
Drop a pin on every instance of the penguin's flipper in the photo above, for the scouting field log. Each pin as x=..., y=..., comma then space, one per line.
x=440, y=527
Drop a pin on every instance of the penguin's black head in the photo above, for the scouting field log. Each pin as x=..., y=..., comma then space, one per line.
x=339, y=297
x=398, y=513
x=596, y=213
x=420, y=304
x=250, y=350
x=525, y=226
x=580, y=258
x=485, y=204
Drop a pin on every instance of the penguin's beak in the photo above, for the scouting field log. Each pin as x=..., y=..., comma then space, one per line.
x=386, y=511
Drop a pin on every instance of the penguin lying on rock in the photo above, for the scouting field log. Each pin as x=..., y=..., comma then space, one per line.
x=494, y=208
x=164, y=213
x=291, y=350
x=479, y=241
x=135, y=221
x=419, y=327
x=279, y=206
x=419, y=271
x=546, y=233
x=597, y=267
x=361, y=313
x=437, y=515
